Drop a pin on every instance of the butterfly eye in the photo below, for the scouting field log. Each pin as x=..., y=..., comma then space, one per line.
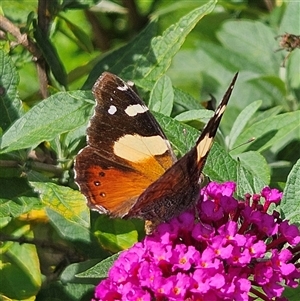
x=97, y=183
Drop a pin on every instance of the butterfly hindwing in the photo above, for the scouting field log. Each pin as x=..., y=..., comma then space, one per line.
x=178, y=188
x=205, y=141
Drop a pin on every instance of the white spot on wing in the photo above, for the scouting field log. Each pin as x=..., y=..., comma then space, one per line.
x=133, y=110
x=130, y=83
x=112, y=110
x=99, y=209
x=220, y=110
x=137, y=148
x=124, y=88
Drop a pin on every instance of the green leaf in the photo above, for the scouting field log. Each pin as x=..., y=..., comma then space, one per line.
x=83, y=39
x=14, y=208
x=101, y=269
x=115, y=234
x=162, y=96
x=55, y=115
x=220, y=166
x=30, y=18
x=10, y=105
x=254, y=40
x=218, y=61
x=12, y=188
x=261, y=88
x=293, y=76
x=197, y=115
x=18, y=10
x=16, y=198
x=118, y=60
x=146, y=58
x=292, y=294
x=58, y=291
x=50, y=55
x=20, y=268
x=267, y=113
x=290, y=204
x=78, y=4
x=164, y=47
x=218, y=64
x=71, y=272
x=246, y=183
x=66, y=209
x=268, y=132
x=73, y=140
x=241, y=121
x=258, y=165
x=290, y=19
x=185, y=101
x=289, y=22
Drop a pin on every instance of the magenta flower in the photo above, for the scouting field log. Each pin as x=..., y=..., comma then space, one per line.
x=235, y=250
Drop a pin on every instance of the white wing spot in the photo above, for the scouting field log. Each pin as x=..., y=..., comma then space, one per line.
x=220, y=110
x=133, y=110
x=112, y=110
x=124, y=88
x=130, y=83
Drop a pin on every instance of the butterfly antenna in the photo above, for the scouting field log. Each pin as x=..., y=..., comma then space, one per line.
x=244, y=143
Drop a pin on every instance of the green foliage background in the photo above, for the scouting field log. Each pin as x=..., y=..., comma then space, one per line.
x=177, y=53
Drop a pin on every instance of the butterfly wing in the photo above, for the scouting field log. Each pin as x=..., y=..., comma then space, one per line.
x=126, y=151
x=178, y=188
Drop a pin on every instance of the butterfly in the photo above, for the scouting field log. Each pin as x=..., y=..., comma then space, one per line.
x=128, y=168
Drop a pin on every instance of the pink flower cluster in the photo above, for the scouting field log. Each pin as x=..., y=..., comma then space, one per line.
x=233, y=249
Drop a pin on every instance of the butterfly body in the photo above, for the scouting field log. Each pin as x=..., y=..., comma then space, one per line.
x=128, y=168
